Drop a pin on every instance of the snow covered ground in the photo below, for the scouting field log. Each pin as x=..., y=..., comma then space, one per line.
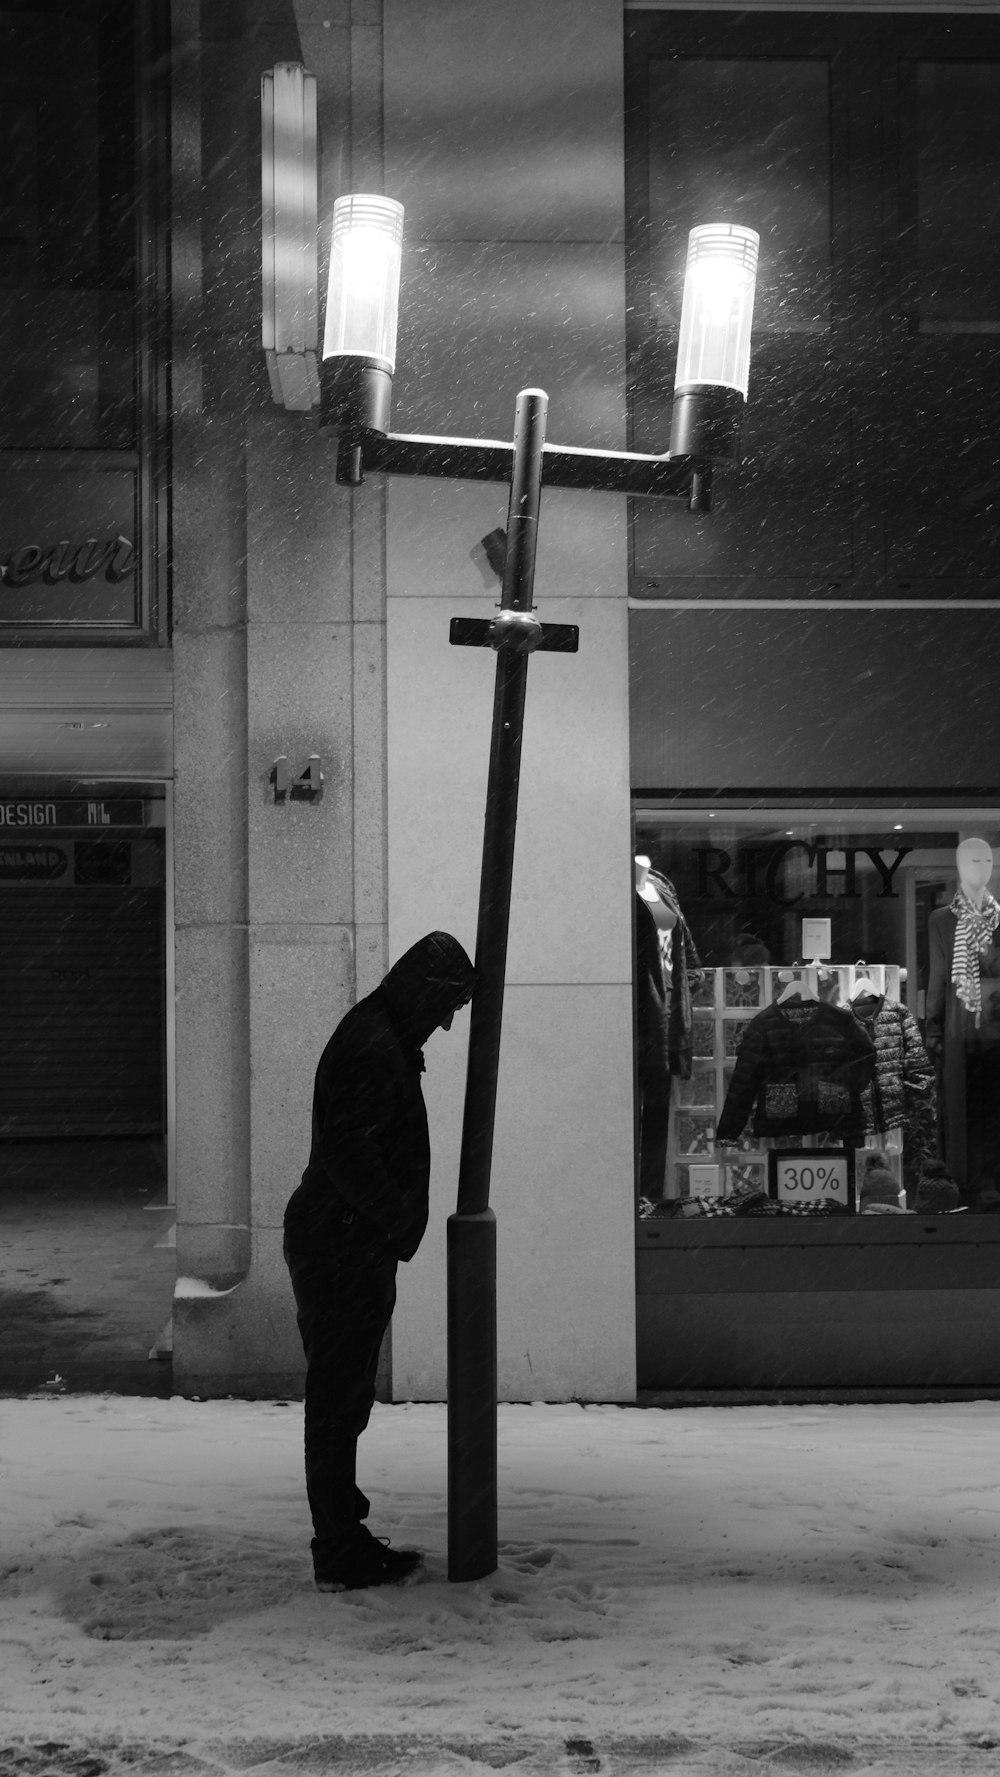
x=729, y=1575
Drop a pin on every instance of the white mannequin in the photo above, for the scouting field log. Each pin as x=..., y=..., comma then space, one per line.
x=974, y=860
x=665, y=917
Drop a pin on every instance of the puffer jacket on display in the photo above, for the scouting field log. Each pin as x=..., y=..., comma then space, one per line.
x=904, y=1076
x=801, y=1069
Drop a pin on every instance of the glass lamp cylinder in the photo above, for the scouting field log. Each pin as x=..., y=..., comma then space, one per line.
x=359, y=341
x=363, y=292
x=713, y=354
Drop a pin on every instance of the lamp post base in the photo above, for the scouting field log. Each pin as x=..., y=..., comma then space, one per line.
x=472, y=1395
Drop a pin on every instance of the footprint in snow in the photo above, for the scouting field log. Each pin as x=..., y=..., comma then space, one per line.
x=743, y=1656
x=530, y=1557
x=584, y=1594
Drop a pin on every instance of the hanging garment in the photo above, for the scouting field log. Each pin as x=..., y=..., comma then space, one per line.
x=969, y=1057
x=664, y=1017
x=664, y=1025
x=800, y=1070
x=904, y=1076
x=974, y=929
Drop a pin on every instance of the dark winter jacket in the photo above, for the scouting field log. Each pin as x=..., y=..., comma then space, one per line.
x=800, y=1069
x=664, y=1020
x=903, y=1072
x=370, y=1150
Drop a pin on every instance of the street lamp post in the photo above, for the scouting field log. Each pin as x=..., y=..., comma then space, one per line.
x=472, y=1360
x=356, y=383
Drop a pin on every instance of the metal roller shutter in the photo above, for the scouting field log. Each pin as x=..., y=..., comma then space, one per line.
x=81, y=1011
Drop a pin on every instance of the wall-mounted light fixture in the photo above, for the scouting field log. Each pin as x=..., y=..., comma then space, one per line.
x=362, y=303
x=289, y=221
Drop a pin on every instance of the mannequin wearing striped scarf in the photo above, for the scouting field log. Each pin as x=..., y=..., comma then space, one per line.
x=973, y=936
x=962, y=1031
x=977, y=913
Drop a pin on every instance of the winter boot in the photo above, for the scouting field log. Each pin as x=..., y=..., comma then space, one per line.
x=365, y=1560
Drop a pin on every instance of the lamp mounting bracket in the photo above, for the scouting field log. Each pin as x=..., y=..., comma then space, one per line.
x=486, y=632
x=487, y=459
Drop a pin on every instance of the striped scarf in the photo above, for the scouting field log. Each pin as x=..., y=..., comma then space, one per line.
x=973, y=936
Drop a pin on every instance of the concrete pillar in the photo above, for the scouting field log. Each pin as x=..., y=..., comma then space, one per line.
x=279, y=642
x=310, y=620
x=503, y=131
x=209, y=645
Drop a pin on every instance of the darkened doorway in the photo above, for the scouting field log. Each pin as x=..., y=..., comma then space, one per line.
x=86, y=1260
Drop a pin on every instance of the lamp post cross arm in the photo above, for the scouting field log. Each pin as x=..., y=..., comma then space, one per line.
x=487, y=459
x=487, y=632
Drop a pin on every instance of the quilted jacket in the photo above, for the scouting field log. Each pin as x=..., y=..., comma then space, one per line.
x=904, y=1076
x=800, y=1069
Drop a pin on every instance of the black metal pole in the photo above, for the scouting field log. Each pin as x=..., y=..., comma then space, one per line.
x=472, y=1353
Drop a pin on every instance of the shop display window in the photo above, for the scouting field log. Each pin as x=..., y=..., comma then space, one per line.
x=817, y=1011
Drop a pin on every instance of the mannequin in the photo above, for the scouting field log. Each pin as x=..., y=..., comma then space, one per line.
x=665, y=911
x=963, y=1034
x=665, y=956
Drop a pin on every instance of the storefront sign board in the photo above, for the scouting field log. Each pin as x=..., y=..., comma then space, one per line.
x=35, y=812
x=68, y=547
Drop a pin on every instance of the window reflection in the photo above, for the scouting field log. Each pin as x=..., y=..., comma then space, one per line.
x=67, y=227
x=745, y=140
x=956, y=157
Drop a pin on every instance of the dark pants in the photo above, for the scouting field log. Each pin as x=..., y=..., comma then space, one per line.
x=654, y=1127
x=345, y=1292
x=982, y=1119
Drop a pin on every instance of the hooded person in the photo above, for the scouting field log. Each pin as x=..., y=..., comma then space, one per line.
x=362, y=1206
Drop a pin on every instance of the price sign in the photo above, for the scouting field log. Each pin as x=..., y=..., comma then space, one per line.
x=812, y=1175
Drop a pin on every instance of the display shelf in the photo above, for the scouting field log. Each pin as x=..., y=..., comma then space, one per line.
x=723, y=1004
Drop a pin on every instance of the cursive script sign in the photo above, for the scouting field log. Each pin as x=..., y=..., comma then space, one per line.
x=77, y=562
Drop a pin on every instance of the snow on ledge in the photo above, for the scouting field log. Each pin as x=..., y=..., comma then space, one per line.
x=196, y=1286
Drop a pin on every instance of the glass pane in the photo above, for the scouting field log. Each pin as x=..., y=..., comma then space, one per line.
x=67, y=228
x=744, y=141
x=748, y=140
x=821, y=983
x=956, y=124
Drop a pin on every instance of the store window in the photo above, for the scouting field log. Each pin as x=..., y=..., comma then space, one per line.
x=817, y=1011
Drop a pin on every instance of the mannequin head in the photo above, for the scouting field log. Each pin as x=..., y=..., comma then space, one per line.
x=974, y=860
x=665, y=917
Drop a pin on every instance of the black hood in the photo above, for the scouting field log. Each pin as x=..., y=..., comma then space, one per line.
x=430, y=980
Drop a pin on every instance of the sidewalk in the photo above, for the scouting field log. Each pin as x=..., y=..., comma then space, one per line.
x=723, y=1590
x=87, y=1265
x=464, y=1756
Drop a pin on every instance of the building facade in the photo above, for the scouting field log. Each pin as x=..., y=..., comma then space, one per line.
x=784, y=704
